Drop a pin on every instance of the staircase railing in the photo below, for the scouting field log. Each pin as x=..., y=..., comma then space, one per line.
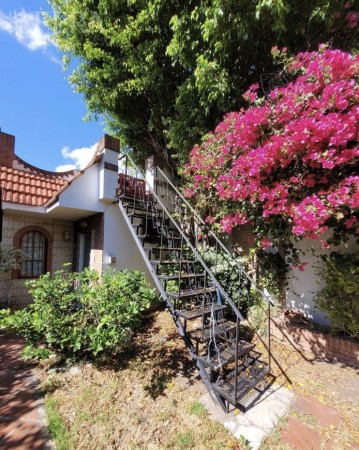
x=165, y=208
x=167, y=189
x=165, y=183
x=141, y=195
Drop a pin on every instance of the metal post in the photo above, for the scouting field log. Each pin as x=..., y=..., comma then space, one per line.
x=236, y=363
x=269, y=338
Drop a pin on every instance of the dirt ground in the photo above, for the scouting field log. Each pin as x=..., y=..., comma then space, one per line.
x=148, y=399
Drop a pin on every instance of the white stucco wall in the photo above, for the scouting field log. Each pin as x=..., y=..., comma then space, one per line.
x=119, y=243
x=302, y=286
x=83, y=192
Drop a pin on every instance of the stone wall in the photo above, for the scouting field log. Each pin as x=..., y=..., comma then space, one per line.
x=12, y=289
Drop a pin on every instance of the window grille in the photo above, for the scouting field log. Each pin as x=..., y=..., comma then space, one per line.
x=33, y=245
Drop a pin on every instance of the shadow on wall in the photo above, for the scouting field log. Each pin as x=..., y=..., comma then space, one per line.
x=303, y=285
x=323, y=347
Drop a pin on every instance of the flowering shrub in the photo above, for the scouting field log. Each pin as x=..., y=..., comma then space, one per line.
x=287, y=164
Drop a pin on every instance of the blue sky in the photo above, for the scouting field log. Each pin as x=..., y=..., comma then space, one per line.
x=37, y=104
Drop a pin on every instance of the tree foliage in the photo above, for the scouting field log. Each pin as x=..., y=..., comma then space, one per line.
x=163, y=72
x=288, y=163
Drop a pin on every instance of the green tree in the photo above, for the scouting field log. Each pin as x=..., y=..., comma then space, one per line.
x=163, y=72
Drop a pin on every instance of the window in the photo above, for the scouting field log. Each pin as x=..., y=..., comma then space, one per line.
x=34, y=247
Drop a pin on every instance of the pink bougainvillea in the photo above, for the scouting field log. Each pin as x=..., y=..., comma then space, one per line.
x=288, y=163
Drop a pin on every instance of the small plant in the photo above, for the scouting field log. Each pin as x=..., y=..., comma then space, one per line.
x=340, y=296
x=56, y=425
x=185, y=440
x=30, y=352
x=50, y=384
x=197, y=409
x=4, y=318
x=10, y=259
x=83, y=314
x=258, y=316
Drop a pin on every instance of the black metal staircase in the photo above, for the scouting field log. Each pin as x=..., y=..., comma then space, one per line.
x=170, y=236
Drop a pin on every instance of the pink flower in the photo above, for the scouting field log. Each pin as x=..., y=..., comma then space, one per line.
x=210, y=219
x=188, y=193
x=324, y=244
x=352, y=19
x=285, y=159
x=350, y=222
x=266, y=243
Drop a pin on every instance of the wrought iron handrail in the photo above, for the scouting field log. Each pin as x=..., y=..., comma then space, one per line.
x=216, y=238
x=160, y=210
x=224, y=294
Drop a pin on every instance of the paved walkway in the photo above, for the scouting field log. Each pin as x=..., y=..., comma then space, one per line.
x=259, y=420
x=309, y=422
x=311, y=428
x=21, y=411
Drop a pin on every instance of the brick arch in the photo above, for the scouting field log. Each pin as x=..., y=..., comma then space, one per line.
x=49, y=241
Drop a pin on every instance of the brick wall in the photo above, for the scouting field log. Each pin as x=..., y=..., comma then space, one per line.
x=242, y=239
x=7, y=146
x=322, y=346
x=12, y=290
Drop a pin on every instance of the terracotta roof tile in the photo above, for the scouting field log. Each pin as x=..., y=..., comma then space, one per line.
x=26, y=188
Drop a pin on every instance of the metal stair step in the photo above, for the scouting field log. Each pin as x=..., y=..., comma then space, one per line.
x=217, y=361
x=245, y=382
x=166, y=248
x=199, y=311
x=249, y=360
x=208, y=332
x=181, y=276
x=172, y=230
x=143, y=215
x=139, y=205
x=170, y=262
x=191, y=292
x=243, y=348
x=169, y=238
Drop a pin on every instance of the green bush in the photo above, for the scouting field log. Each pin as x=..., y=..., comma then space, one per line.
x=340, y=297
x=232, y=280
x=272, y=273
x=10, y=259
x=83, y=314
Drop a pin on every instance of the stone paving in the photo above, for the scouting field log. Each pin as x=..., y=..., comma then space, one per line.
x=258, y=420
x=22, y=419
x=308, y=421
x=303, y=436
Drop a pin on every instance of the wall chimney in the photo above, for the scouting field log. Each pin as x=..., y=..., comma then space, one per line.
x=7, y=149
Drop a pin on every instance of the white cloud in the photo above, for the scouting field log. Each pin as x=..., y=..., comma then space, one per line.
x=65, y=167
x=80, y=157
x=27, y=28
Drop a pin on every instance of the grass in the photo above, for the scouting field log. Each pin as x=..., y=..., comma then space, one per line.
x=149, y=399
x=196, y=409
x=185, y=440
x=145, y=400
x=56, y=425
